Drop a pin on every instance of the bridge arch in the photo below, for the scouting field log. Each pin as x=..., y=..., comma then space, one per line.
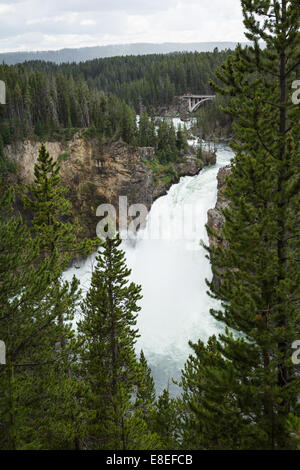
x=195, y=101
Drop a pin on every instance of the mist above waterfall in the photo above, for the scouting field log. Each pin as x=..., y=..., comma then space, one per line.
x=172, y=271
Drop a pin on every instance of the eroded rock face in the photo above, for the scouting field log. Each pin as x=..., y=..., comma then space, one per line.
x=190, y=165
x=216, y=219
x=97, y=173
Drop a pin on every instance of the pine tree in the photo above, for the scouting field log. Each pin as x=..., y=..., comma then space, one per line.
x=166, y=142
x=209, y=415
x=109, y=366
x=145, y=395
x=165, y=421
x=46, y=198
x=181, y=140
x=259, y=268
x=57, y=242
x=18, y=286
x=147, y=134
x=128, y=124
x=31, y=302
x=294, y=428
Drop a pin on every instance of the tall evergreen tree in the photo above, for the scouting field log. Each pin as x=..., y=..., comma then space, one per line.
x=56, y=240
x=109, y=366
x=147, y=134
x=145, y=395
x=209, y=417
x=31, y=303
x=259, y=268
x=181, y=140
x=46, y=198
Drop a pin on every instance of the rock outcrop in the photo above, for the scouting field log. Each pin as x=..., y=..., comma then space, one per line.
x=216, y=218
x=96, y=173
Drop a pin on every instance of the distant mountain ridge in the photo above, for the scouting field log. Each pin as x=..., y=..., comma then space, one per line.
x=89, y=53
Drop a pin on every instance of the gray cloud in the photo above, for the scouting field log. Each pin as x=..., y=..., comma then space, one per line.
x=54, y=24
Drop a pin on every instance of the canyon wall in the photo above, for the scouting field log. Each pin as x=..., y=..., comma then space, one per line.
x=216, y=218
x=97, y=173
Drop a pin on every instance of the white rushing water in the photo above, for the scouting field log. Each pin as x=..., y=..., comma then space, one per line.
x=172, y=271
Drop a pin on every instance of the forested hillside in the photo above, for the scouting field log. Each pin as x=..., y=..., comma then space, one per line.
x=152, y=80
x=42, y=103
x=89, y=53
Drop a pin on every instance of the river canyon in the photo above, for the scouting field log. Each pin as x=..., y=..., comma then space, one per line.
x=172, y=269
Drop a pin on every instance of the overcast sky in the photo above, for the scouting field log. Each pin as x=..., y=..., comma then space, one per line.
x=55, y=24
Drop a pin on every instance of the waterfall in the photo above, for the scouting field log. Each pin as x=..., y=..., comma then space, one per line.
x=172, y=271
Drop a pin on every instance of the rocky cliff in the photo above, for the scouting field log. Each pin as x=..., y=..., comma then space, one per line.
x=216, y=218
x=96, y=173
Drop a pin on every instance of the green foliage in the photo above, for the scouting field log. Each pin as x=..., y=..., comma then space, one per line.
x=51, y=101
x=167, y=146
x=212, y=122
x=32, y=303
x=38, y=331
x=109, y=366
x=5, y=132
x=164, y=173
x=46, y=198
x=7, y=166
x=54, y=106
x=209, y=415
x=181, y=139
x=154, y=79
x=145, y=394
x=63, y=157
x=147, y=133
x=258, y=267
x=168, y=143
x=293, y=426
x=165, y=421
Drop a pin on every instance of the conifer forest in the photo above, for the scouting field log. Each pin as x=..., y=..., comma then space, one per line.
x=83, y=365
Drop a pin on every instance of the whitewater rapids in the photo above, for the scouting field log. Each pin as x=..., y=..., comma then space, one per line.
x=172, y=269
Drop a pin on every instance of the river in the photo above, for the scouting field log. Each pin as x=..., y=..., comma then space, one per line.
x=172, y=269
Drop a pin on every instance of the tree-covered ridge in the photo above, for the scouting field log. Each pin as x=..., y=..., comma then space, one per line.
x=50, y=101
x=152, y=80
x=95, y=52
x=54, y=105
x=247, y=377
x=43, y=105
